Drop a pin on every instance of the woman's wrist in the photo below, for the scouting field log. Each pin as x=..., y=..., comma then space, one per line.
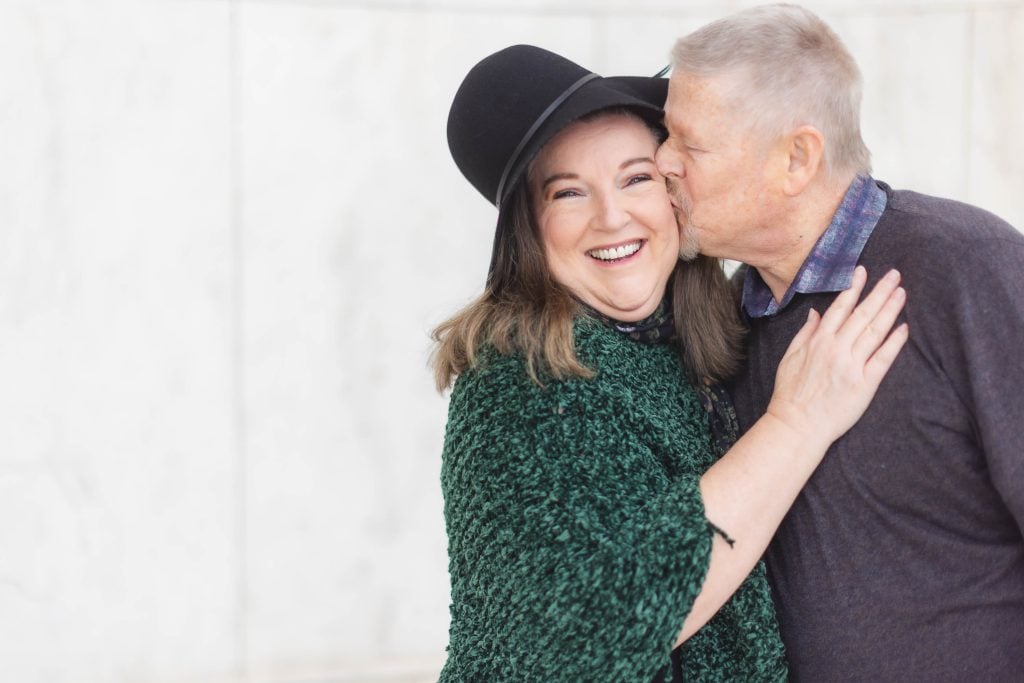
x=797, y=429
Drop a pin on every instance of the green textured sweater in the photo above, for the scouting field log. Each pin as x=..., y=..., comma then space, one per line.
x=576, y=530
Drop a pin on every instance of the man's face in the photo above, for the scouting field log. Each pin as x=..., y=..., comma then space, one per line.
x=718, y=173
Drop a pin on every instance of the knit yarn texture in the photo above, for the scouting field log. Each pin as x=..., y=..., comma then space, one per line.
x=576, y=530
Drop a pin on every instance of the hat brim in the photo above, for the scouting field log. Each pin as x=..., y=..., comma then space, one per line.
x=645, y=96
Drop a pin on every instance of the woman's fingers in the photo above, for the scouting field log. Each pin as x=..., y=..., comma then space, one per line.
x=877, y=328
x=844, y=304
x=805, y=332
x=883, y=358
x=863, y=327
x=865, y=313
x=834, y=365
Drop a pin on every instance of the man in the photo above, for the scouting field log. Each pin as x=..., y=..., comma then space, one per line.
x=903, y=557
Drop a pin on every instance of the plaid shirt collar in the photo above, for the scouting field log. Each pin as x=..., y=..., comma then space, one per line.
x=829, y=267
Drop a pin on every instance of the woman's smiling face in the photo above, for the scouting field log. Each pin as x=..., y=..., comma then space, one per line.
x=606, y=223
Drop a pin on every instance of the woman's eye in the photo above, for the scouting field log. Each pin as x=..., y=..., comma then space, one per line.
x=565, y=193
x=639, y=178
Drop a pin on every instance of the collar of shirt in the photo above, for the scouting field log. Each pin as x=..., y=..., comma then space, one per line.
x=829, y=267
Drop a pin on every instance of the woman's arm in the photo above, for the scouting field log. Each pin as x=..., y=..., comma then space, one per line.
x=824, y=383
x=577, y=535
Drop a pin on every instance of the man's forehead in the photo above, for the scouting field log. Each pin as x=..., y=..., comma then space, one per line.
x=688, y=92
x=685, y=93
x=694, y=84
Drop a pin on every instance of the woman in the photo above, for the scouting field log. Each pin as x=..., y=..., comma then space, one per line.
x=592, y=526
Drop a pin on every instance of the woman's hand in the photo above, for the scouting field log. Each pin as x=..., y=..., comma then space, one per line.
x=823, y=385
x=833, y=366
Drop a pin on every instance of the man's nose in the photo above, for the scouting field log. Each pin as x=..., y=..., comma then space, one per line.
x=668, y=162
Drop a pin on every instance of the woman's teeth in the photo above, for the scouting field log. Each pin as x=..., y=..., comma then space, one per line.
x=616, y=253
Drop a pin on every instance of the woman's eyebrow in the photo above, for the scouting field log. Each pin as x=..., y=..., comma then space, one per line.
x=559, y=176
x=637, y=160
x=573, y=176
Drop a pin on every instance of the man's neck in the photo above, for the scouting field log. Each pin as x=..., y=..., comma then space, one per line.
x=808, y=220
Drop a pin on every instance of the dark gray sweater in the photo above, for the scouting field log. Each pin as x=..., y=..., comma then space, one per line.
x=903, y=558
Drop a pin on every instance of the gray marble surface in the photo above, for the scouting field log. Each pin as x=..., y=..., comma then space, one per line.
x=226, y=230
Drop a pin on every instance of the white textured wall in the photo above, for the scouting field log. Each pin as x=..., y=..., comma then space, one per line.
x=225, y=230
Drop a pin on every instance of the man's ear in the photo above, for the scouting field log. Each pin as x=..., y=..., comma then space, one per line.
x=806, y=150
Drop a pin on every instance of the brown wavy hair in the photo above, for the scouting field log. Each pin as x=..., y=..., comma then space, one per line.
x=524, y=310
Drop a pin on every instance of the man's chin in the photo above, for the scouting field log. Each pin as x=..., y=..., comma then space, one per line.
x=689, y=248
x=688, y=254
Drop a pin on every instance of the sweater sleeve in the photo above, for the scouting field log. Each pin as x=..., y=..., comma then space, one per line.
x=981, y=317
x=573, y=555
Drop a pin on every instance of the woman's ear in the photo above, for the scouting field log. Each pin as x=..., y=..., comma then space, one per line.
x=806, y=150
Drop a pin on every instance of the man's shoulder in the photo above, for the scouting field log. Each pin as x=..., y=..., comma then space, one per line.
x=941, y=235
x=919, y=214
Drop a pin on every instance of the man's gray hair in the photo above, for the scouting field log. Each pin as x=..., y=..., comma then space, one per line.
x=790, y=69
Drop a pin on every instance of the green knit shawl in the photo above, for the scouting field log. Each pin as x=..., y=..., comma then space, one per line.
x=576, y=530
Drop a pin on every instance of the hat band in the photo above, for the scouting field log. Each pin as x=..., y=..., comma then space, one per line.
x=533, y=129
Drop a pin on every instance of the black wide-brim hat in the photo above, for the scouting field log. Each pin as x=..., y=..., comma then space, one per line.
x=514, y=101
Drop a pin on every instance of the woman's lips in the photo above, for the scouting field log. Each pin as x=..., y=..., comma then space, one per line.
x=616, y=253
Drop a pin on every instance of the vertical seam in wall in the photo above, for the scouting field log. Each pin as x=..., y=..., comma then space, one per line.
x=968, y=140
x=599, y=28
x=241, y=617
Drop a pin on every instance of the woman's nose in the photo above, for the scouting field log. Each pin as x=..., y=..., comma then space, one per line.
x=613, y=213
